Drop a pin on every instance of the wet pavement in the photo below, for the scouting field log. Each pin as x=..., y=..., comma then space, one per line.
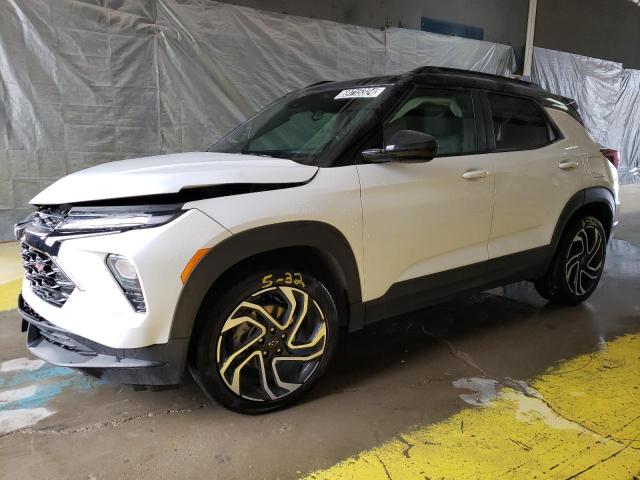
x=384, y=381
x=412, y=372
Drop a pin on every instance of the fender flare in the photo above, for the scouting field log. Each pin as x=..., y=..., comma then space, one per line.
x=322, y=236
x=584, y=197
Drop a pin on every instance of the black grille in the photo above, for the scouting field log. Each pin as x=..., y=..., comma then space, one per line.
x=46, y=279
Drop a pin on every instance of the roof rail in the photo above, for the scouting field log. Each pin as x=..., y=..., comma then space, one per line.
x=459, y=71
x=321, y=82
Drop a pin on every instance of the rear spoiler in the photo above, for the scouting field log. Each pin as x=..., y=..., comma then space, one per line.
x=565, y=104
x=570, y=102
x=573, y=109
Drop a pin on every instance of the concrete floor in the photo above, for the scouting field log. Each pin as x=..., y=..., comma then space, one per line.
x=417, y=372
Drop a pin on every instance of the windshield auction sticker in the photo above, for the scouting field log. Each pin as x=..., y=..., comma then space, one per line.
x=369, y=92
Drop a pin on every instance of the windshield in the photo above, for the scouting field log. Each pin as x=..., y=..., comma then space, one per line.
x=302, y=126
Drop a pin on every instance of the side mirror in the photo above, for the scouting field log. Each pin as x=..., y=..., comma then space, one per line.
x=404, y=146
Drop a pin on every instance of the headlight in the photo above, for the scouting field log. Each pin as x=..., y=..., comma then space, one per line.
x=94, y=219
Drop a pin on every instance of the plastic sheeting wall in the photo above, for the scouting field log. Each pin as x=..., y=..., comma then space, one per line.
x=608, y=98
x=82, y=83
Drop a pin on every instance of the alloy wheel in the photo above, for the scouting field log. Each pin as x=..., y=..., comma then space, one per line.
x=271, y=343
x=585, y=260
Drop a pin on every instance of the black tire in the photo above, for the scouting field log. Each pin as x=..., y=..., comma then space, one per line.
x=577, y=265
x=254, y=349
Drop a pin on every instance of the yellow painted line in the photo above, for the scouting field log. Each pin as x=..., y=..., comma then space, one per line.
x=10, y=275
x=10, y=262
x=581, y=419
x=9, y=295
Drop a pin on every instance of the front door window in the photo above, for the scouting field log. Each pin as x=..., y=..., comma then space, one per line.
x=446, y=115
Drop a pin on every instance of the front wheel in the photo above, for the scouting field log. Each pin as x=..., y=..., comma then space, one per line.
x=266, y=339
x=578, y=263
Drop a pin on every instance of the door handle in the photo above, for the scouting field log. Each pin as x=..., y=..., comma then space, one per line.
x=568, y=165
x=472, y=174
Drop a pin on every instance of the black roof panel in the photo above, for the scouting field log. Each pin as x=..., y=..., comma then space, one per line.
x=463, y=78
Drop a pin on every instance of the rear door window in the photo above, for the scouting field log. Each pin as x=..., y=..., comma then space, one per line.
x=518, y=123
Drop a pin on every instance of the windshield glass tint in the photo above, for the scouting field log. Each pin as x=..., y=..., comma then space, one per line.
x=305, y=127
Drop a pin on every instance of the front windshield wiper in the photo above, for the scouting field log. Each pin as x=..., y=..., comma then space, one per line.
x=271, y=154
x=283, y=154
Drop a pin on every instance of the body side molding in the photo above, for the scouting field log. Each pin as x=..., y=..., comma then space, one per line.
x=241, y=246
x=421, y=292
x=417, y=293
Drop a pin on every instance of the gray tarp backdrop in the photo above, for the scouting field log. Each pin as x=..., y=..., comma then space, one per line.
x=608, y=97
x=85, y=82
x=82, y=84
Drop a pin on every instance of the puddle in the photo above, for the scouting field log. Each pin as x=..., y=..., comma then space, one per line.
x=484, y=390
x=530, y=407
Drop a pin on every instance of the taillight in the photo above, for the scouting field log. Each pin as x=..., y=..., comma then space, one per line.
x=612, y=155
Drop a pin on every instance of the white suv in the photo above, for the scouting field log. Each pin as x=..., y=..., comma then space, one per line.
x=338, y=205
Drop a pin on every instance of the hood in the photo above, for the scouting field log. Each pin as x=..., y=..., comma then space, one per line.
x=164, y=174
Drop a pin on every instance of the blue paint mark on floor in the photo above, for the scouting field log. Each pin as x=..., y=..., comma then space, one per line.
x=50, y=381
x=44, y=373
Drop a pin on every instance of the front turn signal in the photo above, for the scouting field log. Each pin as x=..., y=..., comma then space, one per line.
x=193, y=263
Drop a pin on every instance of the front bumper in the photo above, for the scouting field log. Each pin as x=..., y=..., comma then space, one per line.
x=97, y=308
x=162, y=364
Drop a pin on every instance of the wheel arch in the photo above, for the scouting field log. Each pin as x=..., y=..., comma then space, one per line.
x=596, y=201
x=318, y=243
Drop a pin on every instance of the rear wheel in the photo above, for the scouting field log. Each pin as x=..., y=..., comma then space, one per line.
x=266, y=339
x=578, y=263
